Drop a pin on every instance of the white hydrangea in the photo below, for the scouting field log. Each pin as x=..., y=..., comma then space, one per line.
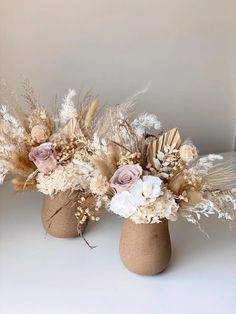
x=63, y=178
x=152, y=212
x=144, y=190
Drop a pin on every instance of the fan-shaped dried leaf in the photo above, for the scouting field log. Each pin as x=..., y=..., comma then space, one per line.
x=169, y=139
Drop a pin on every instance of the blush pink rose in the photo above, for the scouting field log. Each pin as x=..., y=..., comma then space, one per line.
x=44, y=157
x=125, y=177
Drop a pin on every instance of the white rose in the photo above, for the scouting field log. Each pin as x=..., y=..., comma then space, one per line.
x=123, y=204
x=188, y=152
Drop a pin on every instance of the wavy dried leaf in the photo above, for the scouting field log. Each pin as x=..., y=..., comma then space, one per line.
x=71, y=128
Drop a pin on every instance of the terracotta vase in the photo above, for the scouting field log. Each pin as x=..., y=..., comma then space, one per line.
x=58, y=215
x=145, y=249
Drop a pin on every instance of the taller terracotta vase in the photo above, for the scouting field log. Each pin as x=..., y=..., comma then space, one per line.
x=145, y=249
x=58, y=215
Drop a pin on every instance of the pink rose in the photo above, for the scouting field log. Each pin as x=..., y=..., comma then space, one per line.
x=125, y=177
x=44, y=157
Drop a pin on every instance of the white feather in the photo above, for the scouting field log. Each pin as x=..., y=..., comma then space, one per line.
x=68, y=110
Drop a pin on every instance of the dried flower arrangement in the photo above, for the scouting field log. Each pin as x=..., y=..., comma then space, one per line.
x=148, y=177
x=84, y=162
x=50, y=152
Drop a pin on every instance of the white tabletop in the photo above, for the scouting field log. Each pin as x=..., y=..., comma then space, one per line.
x=41, y=275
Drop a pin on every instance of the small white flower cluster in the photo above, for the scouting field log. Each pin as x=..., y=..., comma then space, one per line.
x=164, y=206
x=145, y=202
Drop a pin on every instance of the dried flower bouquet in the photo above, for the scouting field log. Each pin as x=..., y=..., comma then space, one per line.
x=50, y=152
x=149, y=179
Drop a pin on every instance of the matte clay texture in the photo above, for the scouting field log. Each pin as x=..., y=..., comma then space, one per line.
x=58, y=215
x=145, y=249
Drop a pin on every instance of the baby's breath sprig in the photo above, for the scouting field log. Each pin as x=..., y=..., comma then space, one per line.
x=130, y=159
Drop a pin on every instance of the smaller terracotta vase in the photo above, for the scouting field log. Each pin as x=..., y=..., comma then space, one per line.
x=145, y=249
x=58, y=215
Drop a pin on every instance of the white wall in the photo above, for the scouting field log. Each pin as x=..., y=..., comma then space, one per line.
x=186, y=48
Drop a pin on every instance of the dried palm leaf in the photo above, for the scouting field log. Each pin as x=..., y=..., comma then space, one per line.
x=169, y=139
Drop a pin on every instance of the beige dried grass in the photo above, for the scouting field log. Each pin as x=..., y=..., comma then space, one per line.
x=20, y=184
x=103, y=167
x=91, y=113
x=21, y=165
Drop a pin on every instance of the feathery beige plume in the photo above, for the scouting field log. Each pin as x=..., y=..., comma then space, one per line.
x=103, y=167
x=19, y=184
x=21, y=165
x=222, y=175
x=113, y=156
x=91, y=113
x=29, y=95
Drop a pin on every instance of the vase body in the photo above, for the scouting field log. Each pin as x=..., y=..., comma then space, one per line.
x=58, y=215
x=145, y=249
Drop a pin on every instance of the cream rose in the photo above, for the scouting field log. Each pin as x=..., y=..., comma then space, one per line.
x=44, y=157
x=40, y=133
x=125, y=177
x=188, y=152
